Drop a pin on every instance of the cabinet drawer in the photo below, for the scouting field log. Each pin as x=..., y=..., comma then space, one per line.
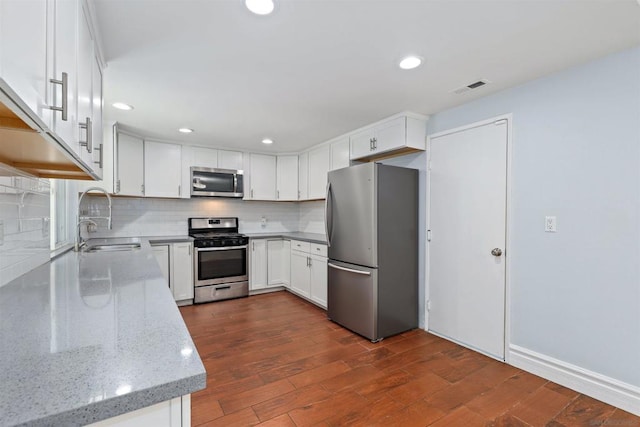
x=300, y=246
x=317, y=249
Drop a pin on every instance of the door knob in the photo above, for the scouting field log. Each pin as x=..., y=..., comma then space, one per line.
x=496, y=251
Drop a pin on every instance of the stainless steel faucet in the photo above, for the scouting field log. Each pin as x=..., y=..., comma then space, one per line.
x=81, y=220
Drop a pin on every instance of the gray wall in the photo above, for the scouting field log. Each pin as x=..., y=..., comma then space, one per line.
x=576, y=155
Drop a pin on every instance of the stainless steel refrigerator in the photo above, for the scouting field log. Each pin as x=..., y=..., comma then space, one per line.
x=371, y=218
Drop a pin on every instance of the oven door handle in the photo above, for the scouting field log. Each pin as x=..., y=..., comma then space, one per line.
x=225, y=248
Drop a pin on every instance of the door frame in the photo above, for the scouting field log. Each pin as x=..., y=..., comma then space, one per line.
x=508, y=253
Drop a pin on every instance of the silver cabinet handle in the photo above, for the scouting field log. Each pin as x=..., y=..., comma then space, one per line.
x=350, y=270
x=142, y=189
x=189, y=250
x=64, y=82
x=252, y=193
x=496, y=252
x=370, y=144
x=375, y=143
x=99, y=162
x=278, y=194
x=88, y=143
x=117, y=186
x=179, y=190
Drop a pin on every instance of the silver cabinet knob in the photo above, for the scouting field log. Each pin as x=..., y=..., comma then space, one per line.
x=496, y=251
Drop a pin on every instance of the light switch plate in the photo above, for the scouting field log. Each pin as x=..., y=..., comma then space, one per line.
x=550, y=224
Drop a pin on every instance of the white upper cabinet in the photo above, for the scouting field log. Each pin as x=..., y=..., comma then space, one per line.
x=399, y=135
x=230, y=160
x=65, y=123
x=162, y=169
x=287, y=178
x=319, y=163
x=128, y=165
x=23, y=49
x=96, y=113
x=204, y=157
x=340, y=154
x=263, y=177
x=85, y=88
x=303, y=176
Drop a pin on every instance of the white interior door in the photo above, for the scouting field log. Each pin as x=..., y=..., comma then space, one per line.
x=467, y=218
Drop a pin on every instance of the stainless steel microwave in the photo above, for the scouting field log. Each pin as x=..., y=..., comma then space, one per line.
x=210, y=182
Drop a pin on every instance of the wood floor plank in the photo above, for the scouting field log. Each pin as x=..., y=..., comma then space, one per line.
x=277, y=360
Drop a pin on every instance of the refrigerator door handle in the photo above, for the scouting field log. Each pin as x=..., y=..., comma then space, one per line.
x=327, y=214
x=350, y=270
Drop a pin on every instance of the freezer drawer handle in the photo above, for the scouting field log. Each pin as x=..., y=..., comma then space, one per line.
x=350, y=270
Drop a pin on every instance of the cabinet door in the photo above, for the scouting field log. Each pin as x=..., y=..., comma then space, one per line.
x=300, y=273
x=230, y=160
x=340, y=154
x=319, y=162
x=129, y=165
x=258, y=278
x=182, y=272
x=85, y=83
x=286, y=263
x=287, y=178
x=361, y=145
x=162, y=169
x=318, y=275
x=303, y=176
x=275, y=254
x=263, y=177
x=65, y=61
x=205, y=157
x=161, y=252
x=96, y=113
x=390, y=135
x=23, y=48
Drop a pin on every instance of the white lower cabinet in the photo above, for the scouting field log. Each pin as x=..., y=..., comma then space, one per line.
x=309, y=271
x=269, y=260
x=171, y=413
x=176, y=265
x=258, y=262
x=278, y=267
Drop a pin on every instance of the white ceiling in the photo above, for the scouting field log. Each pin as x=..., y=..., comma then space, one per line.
x=316, y=69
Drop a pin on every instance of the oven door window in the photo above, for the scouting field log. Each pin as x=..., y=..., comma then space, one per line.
x=221, y=264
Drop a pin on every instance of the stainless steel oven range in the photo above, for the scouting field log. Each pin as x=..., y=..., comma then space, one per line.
x=221, y=261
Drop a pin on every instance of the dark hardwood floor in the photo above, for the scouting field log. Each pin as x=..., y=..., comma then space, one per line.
x=275, y=360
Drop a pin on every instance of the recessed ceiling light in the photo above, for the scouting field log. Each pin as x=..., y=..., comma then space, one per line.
x=410, y=62
x=260, y=7
x=267, y=141
x=122, y=106
x=185, y=130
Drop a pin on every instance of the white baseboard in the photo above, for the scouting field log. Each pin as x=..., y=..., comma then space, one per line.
x=617, y=393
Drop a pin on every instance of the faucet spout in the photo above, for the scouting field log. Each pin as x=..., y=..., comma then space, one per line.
x=102, y=190
x=79, y=241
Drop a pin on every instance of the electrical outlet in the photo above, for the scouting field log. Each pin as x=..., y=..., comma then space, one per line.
x=550, y=224
x=263, y=222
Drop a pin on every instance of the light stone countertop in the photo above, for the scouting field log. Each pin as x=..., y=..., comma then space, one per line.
x=295, y=235
x=90, y=336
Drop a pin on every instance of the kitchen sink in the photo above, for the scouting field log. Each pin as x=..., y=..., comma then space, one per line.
x=112, y=247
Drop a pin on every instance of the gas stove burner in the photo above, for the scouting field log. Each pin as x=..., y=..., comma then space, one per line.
x=216, y=232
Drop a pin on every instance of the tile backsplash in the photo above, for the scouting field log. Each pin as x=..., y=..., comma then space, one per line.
x=156, y=217
x=24, y=223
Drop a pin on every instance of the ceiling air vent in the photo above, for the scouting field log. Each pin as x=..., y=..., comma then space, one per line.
x=471, y=86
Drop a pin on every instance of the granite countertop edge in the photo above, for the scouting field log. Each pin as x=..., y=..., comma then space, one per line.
x=295, y=235
x=155, y=391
